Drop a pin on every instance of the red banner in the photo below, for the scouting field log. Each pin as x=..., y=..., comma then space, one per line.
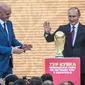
x=63, y=69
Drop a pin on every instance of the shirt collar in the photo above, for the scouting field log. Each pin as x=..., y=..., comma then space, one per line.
x=1, y=22
x=76, y=25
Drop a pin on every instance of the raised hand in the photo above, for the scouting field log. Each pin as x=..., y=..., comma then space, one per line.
x=46, y=26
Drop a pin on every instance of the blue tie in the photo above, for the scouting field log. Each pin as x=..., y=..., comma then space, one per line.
x=5, y=31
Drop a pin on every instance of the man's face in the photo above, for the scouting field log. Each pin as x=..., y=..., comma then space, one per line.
x=73, y=16
x=5, y=14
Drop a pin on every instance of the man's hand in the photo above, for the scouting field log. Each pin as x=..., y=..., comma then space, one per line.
x=17, y=50
x=27, y=47
x=46, y=26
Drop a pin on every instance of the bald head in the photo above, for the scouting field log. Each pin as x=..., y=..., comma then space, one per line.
x=5, y=11
x=47, y=82
x=4, y=7
x=66, y=83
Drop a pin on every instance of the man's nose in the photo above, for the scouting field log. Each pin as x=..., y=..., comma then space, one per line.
x=71, y=18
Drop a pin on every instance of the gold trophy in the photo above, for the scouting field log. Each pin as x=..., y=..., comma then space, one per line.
x=59, y=39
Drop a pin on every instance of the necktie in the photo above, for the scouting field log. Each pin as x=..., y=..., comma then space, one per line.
x=5, y=31
x=73, y=32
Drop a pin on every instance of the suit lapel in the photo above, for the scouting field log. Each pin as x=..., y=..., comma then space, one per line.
x=68, y=34
x=78, y=34
x=2, y=30
x=8, y=27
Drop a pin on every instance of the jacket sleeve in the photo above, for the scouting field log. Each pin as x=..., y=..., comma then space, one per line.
x=5, y=50
x=50, y=37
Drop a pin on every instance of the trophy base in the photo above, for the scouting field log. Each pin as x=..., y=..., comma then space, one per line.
x=59, y=55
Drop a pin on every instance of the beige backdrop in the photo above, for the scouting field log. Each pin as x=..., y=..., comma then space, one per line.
x=28, y=17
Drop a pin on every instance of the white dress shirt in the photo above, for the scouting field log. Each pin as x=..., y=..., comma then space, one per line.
x=75, y=29
x=2, y=23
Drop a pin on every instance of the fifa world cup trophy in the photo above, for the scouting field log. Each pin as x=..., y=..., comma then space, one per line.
x=59, y=43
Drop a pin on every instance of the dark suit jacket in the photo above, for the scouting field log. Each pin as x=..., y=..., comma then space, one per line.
x=5, y=47
x=79, y=47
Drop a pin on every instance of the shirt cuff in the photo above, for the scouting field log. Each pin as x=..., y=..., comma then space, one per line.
x=46, y=35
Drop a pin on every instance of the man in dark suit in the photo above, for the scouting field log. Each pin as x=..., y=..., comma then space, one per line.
x=75, y=47
x=8, y=43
